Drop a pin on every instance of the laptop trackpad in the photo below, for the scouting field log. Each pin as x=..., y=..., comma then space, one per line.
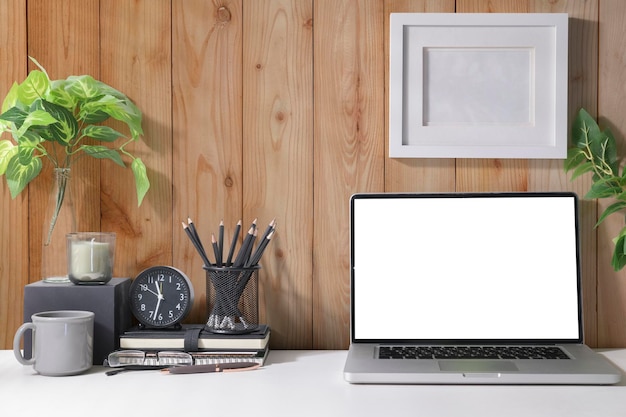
x=477, y=366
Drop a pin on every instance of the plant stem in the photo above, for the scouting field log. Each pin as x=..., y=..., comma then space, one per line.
x=61, y=178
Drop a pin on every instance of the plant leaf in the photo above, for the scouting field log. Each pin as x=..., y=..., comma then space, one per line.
x=134, y=116
x=36, y=118
x=66, y=127
x=603, y=188
x=604, y=151
x=11, y=98
x=575, y=156
x=617, y=206
x=610, y=151
x=102, y=152
x=34, y=86
x=7, y=151
x=142, y=183
x=581, y=169
x=18, y=176
x=584, y=130
x=102, y=133
x=95, y=117
x=121, y=110
x=25, y=153
x=100, y=104
x=84, y=87
x=618, y=260
x=59, y=95
x=15, y=115
x=26, y=147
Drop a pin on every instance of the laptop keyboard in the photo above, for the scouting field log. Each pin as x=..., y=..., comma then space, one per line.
x=471, y=352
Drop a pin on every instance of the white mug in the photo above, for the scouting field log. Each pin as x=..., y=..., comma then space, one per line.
x=62, y=342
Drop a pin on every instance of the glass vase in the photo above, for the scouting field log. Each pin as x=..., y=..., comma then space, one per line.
x=59, y=220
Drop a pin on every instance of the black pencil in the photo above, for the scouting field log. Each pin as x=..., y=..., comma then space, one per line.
x=192, y=227
x=233, y=244
x=194, y=232
x=268, y=230
x=246, y=258
x=216, y=251
x=220, y=243
x=196, y=244
x=243, y=250
x=259, y=250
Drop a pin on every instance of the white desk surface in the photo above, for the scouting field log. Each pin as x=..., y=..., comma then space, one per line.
x=292, y=383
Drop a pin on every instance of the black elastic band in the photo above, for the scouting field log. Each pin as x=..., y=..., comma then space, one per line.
x=192, y=336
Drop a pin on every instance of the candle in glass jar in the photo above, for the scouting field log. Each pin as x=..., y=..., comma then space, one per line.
x=90, y=260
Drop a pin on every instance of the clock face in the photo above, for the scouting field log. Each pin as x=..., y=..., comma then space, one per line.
x=161, y=296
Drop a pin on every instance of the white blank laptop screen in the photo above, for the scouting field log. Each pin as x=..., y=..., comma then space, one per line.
x=501, y=267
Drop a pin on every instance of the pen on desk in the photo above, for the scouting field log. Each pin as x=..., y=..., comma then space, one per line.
x=233, y=243
x=218, y=367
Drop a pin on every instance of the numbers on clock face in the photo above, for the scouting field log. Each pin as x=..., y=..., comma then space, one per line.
x=161, y=296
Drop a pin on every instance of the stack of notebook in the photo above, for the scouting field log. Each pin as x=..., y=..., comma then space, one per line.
x=192, y=338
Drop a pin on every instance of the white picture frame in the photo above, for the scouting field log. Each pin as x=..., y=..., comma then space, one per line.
x=478, y=85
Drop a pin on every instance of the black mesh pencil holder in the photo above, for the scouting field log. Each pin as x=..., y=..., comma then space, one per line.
x=232, y=299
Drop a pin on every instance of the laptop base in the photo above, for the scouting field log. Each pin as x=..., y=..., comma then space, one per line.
x=585, y=368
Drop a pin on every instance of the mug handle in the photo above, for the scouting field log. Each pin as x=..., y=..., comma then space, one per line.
x=16, y=344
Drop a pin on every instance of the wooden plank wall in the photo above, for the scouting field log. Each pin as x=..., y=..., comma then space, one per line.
x=277, y=109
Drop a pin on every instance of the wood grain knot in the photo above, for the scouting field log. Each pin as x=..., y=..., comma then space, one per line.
x=280, y=116
x=228, y=182
x=223, y=15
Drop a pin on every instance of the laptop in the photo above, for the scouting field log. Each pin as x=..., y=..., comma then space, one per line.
x=468, y=288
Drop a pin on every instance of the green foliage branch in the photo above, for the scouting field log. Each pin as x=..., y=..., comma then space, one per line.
x=65, y=113
x=595, y=151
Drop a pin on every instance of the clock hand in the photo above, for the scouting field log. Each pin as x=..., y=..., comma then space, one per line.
x=159, y=298
x=156, y=309
x=149, y=290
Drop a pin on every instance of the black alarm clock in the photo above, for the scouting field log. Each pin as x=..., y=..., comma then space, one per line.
x=160, y=297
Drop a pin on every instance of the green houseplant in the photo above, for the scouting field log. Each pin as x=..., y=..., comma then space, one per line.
x=63, y=113
x=594, y=151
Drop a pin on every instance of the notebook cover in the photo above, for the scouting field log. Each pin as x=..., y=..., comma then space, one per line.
x=158, y=339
